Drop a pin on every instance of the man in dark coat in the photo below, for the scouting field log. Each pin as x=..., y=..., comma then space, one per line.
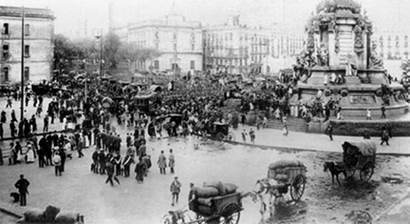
x=102, y=161
x=127, y=163
x=12, y=129
x=96, y=132
x=43, y=144
x=1, y=130
x=45, y=126
x=22, y=186
x=27, y=128
x=329, y=131
x=110, y=172
x=63, y=157
x=385, y=137
x=140, y=171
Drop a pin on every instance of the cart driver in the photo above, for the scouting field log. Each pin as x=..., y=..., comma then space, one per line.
x=192, y=197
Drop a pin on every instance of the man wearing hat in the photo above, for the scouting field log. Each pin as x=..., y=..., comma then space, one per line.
x=175, y=189
x=22, y=185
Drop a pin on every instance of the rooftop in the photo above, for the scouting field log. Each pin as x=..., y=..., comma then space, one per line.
x=12, y=11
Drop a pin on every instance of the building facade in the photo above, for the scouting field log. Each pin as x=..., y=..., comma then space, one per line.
x=392, y=45
x=38, y=44
x=236, y=48
x=178, y=42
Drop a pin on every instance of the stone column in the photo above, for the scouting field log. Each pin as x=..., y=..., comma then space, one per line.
x=317, y=42
x=365, y=53
x=332, y=54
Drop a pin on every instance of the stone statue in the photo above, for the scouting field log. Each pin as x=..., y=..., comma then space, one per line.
x=332, y=26
x=323, y=56
x=310, y=45
x=316, y=26
x=337, y=41
x=375, y=60
x=358, y=40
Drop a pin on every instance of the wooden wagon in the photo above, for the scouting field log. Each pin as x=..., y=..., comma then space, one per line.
x=224, y=209
x=359, y=156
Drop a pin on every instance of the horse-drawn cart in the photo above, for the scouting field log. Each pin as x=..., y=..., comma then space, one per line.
x=223, y=209
x=359, y=156
x=282, y=177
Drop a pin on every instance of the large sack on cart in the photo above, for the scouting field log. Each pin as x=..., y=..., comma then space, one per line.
x=230, y=188
x=67, y=218
x=223, y=188
x=285, y=170
x=33, y=215
x=204, y=210
x=204, y=201
x=206, y=192
x=217, y=185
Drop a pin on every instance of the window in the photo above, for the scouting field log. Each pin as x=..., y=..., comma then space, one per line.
x=26, y=73
x=174, y=66
x=27, y=51
x=5, y=28
x=6, y=74
x=156, y=64
x=193, y=65
x=5, y=51
x=26, y=29
x=193, y=46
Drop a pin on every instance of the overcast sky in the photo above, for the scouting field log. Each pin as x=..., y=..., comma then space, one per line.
x=73, y=15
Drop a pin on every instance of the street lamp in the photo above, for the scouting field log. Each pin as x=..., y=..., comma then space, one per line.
x=99, y=37
x=22, y=66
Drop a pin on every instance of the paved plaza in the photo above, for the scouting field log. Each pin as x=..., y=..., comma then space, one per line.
x=317, y=142
x=82, y=191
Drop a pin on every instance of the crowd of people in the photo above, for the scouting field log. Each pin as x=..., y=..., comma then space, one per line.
x=94, y=112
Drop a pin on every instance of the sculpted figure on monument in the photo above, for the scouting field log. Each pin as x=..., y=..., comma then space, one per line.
x=332, y=26
x=310, y=41
x=316, y=26
x=358, y=41
x=337, y=41
x=323, y=55
x=375, y=60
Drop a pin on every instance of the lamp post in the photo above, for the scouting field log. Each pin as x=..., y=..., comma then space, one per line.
x=100, y=38
x=22, y=67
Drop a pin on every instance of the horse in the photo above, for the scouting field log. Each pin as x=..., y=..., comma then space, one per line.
x=335, y=169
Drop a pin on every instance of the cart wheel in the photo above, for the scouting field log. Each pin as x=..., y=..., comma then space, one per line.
x=219, y=136
x=350, y=173
x=234, y=212
x=366, y=173
x=297, y=188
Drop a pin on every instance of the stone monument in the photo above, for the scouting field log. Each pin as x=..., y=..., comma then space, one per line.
x=340, y=61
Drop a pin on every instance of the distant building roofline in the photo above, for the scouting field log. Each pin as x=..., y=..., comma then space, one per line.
x=13, y=11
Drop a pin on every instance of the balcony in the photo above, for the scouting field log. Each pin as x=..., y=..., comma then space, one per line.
x=5, y=35
x=5, y=56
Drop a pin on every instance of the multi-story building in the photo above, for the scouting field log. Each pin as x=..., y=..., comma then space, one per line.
x=392, y=45
x=237, y=48
x=178, y=42
x=38, y=44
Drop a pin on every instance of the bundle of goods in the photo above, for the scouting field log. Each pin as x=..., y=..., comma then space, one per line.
x=284, y=171
x=50, y=215
x=208, y=192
